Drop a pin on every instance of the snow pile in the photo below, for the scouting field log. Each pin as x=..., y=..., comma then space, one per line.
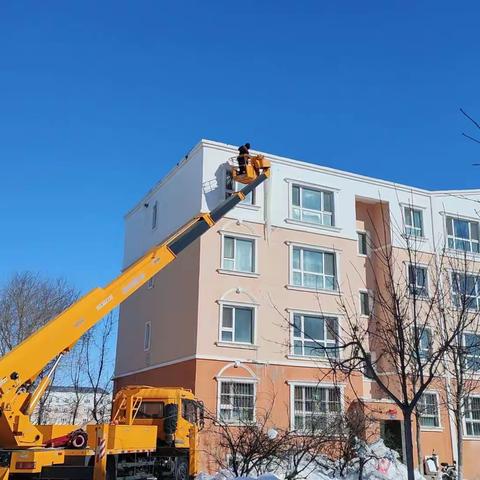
x=378, y=461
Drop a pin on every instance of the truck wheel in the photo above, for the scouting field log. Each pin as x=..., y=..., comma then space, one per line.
x=181, y=468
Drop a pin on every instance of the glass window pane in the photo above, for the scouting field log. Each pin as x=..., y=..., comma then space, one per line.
x=227, y=336
x=227, y=320
x=417, y=219
x=244, y=255
x=296, y=258
x=332, y=328
x=474, y=230
x=297, y=325
x=408, y=216
x=243, y=325
x=461, y=228
x=312, y=261
x=314, y=327
x=228, y=250
x=296, y=213
x=311, y=217
x=328, y=202
x=296, y=196
x=297, y=278
x=313, y=281
x=311, y=199
x=450, y=225
x=297, y=347
x=329, y=259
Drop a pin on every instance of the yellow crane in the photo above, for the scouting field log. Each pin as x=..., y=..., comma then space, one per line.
x=153, y=431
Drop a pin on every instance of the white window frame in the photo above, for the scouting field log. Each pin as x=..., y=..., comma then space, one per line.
x=251, y=306
x=367, y=241
x=302, y=338
x=147, y=336
x=294, y=384
x=438, y=415
x=155, y=215
x=454, y=238
x=241, y=236
x=412, y=227
x=425, y=353
x=468, y=420
x=427, y=289
x=477, y=288
x=315, y=249
x=321, y=213
x=370, y=302
x=472, y=356
x=250, y=381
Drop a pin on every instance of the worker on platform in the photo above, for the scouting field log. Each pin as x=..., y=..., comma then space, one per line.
x=243, y=155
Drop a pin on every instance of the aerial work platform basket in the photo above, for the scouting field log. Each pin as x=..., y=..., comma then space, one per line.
x=254, y=165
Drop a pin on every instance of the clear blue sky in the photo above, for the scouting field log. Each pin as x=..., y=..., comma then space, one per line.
x=98, y=100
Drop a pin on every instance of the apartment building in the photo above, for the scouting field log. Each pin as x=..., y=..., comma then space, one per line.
x=236, y=316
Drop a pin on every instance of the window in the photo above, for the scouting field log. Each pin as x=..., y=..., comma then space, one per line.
x=413, y=222
x=312, y=206
x=364, y=303
x=471, y=342
x=315, y=407
x=313, y=269
x=238, y=254
x=148, y=332
x=237, y=324
x=311, y=333
x=424, y=342
x=466, y=291
x=154, y=215
x=151, y=283
x=231, y=186
x=150, y=410
x=472, y=417
x=362, y=243
x=462, y=235
x=417, y=280
x=237, y=401
x=428, y=409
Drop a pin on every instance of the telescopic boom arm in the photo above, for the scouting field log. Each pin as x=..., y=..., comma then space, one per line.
x=21, y=366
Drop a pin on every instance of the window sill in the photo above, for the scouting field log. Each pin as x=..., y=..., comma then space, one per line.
x=312, y=290
x=431, y=429
x=247, y=206
x=243, y=346
x=414, y=238
x=306, y=358
x=472, y=438
x=457, y=253
x=237, y=273
x=316, y=226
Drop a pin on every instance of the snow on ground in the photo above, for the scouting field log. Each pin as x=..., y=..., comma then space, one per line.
x=383, y=464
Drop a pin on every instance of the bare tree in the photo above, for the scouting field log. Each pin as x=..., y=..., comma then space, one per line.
x=257, y=447
x=475, y=124
x=98, y=351
x=77, y=378
x=27, y=302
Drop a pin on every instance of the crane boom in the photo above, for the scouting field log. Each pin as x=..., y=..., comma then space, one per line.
x=22, y=365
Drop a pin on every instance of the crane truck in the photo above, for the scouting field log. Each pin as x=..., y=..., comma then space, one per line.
x=153, y=432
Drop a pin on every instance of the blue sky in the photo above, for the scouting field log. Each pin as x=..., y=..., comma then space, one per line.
x=98, y=100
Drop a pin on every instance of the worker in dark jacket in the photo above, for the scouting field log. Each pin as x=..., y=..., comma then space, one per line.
x=243, y=154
